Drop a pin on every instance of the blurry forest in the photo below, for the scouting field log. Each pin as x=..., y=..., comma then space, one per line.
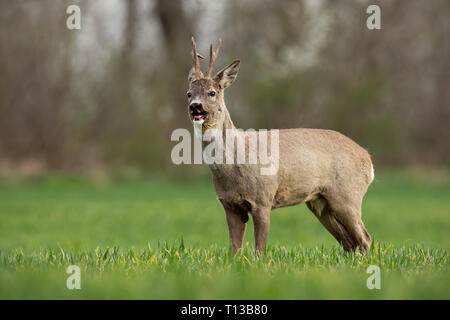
x=109, y=95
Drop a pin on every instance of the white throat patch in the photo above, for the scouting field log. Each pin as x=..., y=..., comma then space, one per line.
x=198, y=128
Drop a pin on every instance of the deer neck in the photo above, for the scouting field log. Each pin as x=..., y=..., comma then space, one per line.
x=223, y=126
x=227, y=123
x=226, y=127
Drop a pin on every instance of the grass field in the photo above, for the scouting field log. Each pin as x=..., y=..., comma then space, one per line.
x=155, y=238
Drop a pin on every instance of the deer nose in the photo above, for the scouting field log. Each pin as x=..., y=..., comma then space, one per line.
x=196, y=107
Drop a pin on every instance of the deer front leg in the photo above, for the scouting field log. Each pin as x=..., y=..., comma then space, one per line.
x=261, y=221
x=236, y=219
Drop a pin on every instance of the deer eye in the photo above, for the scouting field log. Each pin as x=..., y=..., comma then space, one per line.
x=189, y=95
x=212, y=93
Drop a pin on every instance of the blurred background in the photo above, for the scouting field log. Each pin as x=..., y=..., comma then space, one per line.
x=86, y=118
x=108, y=96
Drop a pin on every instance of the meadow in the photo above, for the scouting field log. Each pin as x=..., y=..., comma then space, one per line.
x=160, y=238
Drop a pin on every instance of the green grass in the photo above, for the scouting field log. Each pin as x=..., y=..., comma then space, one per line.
x=156, y=238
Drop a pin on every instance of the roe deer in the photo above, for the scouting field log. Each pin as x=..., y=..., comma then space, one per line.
x=323, y=168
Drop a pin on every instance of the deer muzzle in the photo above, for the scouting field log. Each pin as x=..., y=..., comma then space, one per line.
x=197, y=112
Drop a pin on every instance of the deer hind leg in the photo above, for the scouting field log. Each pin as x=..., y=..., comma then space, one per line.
x=360, y=234
x=356, y=228
x=348, y=213
x=327, y=217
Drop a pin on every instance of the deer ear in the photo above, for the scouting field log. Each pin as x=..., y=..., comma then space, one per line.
x=192, y=75
x=195, y=73
x=226, y=76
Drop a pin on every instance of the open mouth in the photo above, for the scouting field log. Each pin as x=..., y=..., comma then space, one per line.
x=198, y=115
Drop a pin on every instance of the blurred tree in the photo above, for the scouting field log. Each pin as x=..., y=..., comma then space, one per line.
x=110, y=94
x=35, y=64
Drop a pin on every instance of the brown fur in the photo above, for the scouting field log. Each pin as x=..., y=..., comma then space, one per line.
x=323, y=168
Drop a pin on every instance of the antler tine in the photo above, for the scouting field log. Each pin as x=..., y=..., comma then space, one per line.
x=195, y=56
x=212, y=57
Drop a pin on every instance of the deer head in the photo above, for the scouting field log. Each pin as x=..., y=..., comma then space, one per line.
x=205, y=95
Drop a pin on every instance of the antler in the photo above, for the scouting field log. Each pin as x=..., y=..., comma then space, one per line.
x=212, y=57
x=195, y=56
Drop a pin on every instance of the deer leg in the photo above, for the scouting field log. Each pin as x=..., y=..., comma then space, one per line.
x=326, y=216
x=236, y=219
x=348, y=213
x=261, y=221
x=359, y=233
x=364, y=236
